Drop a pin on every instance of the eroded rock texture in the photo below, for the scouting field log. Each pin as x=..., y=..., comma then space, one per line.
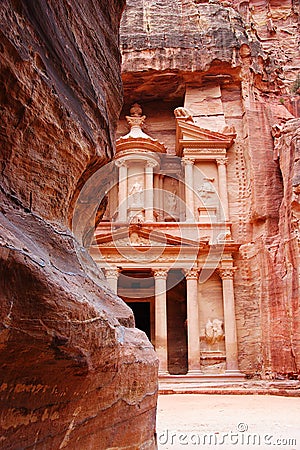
x=235, y=62
x=75, y=373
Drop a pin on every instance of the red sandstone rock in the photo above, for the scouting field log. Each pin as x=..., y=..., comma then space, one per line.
x=249, y=51
x=75, y=373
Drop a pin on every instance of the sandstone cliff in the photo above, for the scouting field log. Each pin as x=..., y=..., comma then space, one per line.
x=243, y=57
x=75, y=373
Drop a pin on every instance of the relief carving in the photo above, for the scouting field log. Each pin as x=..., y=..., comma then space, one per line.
x=214, y=331
x=172, y=202
x=206, y=190
x=136, y=193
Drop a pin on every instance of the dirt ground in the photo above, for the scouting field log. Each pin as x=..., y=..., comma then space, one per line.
x=228, y=422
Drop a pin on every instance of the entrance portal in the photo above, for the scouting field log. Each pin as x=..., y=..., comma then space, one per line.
x=136, y=288
x=141, y=311
x=177, y=329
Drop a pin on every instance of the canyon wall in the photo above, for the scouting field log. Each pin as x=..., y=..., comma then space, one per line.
x=235, y=63
x=75, y=373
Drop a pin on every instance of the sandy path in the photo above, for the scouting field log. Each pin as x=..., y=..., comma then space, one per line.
x=228, y=422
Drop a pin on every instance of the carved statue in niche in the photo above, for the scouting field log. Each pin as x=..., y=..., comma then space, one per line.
x=172, y=202
x=214, y=331
x=206, y=190
x=136, y=193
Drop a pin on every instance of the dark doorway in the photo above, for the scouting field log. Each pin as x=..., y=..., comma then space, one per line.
x=141, y=311
x=177, y=315
x=177, y=330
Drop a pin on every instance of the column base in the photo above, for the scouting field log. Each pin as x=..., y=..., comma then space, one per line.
x=194, y=372
x=163, y=373
x=235, y=374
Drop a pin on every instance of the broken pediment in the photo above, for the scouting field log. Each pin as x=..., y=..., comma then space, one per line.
x=189, y=135
x=143, y=237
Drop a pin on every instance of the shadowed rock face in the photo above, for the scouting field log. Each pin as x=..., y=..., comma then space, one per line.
x=250, y=51
x=75, y=373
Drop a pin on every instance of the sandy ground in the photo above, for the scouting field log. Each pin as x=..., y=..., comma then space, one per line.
x=228, y=422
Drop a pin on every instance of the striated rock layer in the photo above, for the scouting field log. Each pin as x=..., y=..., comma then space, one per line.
x=75, y=373
x=237, y=62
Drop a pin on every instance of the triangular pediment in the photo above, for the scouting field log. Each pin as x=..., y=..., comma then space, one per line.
x=141, y=237
x=190, y=135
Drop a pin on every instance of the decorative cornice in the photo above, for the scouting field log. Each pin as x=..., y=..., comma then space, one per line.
x=140, y=145
x=190, y=135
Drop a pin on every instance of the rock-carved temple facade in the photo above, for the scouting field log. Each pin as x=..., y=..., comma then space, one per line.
x=166, y=248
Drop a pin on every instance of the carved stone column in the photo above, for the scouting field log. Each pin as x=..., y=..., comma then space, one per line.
x=231, y=348
x=149, y=191
x=193, y=325
x=223, y=194
x=189, y=188
x=123, y=190
x=112, y=276
x=161, y=338
x=161, y=198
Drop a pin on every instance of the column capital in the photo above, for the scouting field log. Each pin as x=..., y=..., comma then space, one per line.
x=151, y=164
x=188, y=161
x=222, y=161
x=113, y=272
x=226, y=273
x=121, y=163
x=160, y=273
x=191, y=274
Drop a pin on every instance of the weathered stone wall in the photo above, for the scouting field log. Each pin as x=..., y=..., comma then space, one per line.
x=75, y=373
x=249, y=52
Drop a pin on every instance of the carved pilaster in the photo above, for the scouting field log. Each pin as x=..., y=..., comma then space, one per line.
x=123, y=189
x=222, y=179
x=161, y=339
x=189, y=187
x=112, y=275
x=193, y=325
x=149, y=190
x=226, y=273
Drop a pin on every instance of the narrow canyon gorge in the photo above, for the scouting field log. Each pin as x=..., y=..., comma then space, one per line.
x=75, y=373
x=167, y=98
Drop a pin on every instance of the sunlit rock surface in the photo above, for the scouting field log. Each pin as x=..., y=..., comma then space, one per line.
x=75, y=373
